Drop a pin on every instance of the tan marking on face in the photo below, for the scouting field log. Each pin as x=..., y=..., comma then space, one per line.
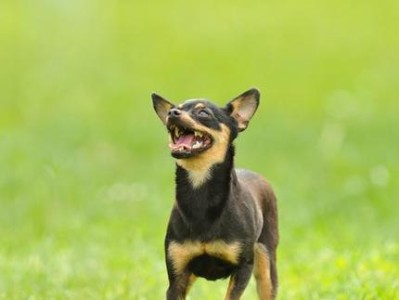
x=199, y=106
x=262, y=272
x=200, y=165
x=182, y=253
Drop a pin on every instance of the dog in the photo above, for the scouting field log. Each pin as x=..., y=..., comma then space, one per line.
x=224, y=220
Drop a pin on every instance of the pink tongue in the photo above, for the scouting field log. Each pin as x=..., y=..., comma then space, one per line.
x=185, y=140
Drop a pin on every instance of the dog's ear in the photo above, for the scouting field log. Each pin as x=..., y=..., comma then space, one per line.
x=243, y=107
x=161, y=106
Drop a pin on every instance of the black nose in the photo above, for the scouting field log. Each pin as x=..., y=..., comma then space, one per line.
x=174, y=113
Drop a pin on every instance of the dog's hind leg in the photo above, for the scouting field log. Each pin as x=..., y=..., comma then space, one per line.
x=265, y=270
x=262, y=272
x=265, y=249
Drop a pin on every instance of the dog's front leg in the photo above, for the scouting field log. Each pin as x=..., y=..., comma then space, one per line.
x=179, y=286
x=239, y=281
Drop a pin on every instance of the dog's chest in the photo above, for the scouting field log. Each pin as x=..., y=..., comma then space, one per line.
x=212, y=260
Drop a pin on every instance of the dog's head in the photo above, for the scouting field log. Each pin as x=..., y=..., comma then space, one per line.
x=200, y=131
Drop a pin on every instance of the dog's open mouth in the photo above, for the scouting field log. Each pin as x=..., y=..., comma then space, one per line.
x=187, y=142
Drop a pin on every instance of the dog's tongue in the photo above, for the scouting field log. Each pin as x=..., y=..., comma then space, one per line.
x=185, y=140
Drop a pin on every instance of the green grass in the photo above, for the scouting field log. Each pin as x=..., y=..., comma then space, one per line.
x=86, y=181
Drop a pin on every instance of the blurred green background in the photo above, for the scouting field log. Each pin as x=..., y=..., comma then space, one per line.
x=86, y=180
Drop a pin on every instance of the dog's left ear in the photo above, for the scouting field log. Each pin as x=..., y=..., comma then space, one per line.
x=243, y=107
x=161, y=106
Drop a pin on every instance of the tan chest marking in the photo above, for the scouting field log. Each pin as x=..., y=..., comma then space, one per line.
x=198, y=177
x=182, y=253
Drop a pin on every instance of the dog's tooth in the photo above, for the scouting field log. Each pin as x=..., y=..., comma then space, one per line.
x=198, y=133
x=177, y=132
x=198, y=144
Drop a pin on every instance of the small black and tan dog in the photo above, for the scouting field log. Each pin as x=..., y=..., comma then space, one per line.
x=224, y=221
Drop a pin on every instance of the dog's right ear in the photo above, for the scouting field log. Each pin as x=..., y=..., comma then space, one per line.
x=161, y=106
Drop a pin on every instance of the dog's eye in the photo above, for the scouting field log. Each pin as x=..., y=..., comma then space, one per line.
x=203, y=113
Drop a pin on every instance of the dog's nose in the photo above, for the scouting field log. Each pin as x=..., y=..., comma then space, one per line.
x=174, y=113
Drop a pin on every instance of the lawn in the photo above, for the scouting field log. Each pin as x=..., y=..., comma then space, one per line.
x=86, y=180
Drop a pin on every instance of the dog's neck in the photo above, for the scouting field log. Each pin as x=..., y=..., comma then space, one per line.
x=204, y=201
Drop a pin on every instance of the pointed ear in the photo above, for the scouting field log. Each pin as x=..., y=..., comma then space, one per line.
x=161, y=106
x=243, y=107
